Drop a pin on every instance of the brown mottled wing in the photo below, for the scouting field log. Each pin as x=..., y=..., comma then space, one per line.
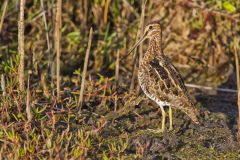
x=175, y=92
x=167, y=72
x=177, y=77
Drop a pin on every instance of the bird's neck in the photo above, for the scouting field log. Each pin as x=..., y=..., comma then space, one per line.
x=154, y=48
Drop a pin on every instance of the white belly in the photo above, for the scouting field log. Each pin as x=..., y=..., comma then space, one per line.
x=151, y=96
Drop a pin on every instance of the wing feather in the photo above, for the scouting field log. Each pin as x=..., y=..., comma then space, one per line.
x=168, y=73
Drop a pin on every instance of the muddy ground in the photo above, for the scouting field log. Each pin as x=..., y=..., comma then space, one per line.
x=214, y=138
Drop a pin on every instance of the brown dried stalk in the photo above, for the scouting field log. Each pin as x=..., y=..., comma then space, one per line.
x=21, y=45
x=227, y=90
x=45, y=27
x=85, y=69
x=3, y=14
x=44, y=84
x=236, y=56
x=106, y=11
x=28, y=109
x=3, y=85
x=57, y=43
x=116, y=79
x=85, y=3
x=140, y=31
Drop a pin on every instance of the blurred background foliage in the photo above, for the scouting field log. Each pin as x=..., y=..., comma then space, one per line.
x=197, y=35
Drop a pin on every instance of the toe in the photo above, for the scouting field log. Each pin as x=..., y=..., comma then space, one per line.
x=155, y=130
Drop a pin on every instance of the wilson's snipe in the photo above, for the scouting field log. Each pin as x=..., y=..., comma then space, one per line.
x=160, y=80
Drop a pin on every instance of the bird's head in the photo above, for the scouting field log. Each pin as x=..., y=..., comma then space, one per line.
x=152, y=30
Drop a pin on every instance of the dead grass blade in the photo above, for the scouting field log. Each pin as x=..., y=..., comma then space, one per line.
x=3, y=85
x=140, y=32
x=28, y=108
x=116, y=79
x=3, y=14
x=21, y=45
x=45, y=27
x=106, y=11
x=236, y=56
x=227, y=90
x=57, y=40
x=85, y=69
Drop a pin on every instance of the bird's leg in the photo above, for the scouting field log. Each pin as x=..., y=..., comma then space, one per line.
x=170, y=118
x=163, y=122
x=163, y=118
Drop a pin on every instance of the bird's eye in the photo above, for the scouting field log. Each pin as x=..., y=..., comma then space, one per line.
x=150, y=27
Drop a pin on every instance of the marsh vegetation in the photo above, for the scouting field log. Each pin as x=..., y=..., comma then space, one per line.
x=68, y=91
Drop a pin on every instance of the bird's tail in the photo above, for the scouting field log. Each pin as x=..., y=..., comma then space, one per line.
x=187, y=106
x=193, y=112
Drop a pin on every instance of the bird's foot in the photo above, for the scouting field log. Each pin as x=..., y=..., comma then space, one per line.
x=155, y=130
x=170, y=128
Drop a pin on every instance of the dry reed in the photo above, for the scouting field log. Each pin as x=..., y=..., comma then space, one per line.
x=3, y=85
x=227, y=90
x=139, y=32
x=45, y=27
x=105, y=17
x=236, y=56
x=85, y=69
x=5, y=4
x=21, y=45
x=116, y=79
x=57, y=43
x=28, y=108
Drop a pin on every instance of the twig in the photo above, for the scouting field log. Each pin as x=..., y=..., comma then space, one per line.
x=28, y=109
x=4, y=92
x=44, y=84
x=85, y=69
x=211, y=88
x=128, y=107
x=236, y=48
x=134, y=70
x=45, y=27
x=85, y=12
x=50, y=62
x=3, y=85
x=21, y=45
x=107, y=3
x=3, y=14
x=139, y=32
x=42, y=13
x=116, y=80
x=57, y=43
